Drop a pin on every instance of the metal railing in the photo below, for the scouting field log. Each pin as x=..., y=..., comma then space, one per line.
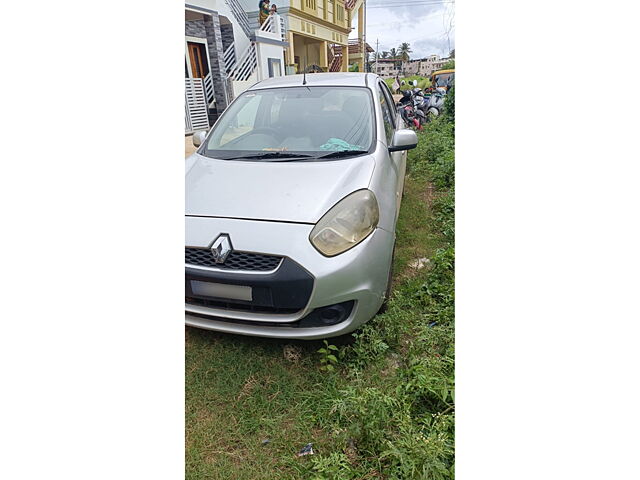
x=246, y=65
x=240, y=14
x=272, y=23
x=208, y=88
x=229, y=56
x=195, y=105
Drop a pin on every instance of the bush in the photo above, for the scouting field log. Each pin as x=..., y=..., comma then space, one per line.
x=450, y=106
x=423, y=82
x=450, y=65
x=443, y=209
x=434, y=158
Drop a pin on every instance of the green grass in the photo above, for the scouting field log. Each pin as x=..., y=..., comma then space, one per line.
x=386, y=411
x=423, y=82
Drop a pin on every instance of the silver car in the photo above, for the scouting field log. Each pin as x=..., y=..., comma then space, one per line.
x=292, y=200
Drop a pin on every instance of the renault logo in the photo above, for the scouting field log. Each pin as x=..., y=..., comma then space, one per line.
x=221, y=248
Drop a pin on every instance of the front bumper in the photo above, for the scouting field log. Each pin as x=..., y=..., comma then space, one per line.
x=358, y=276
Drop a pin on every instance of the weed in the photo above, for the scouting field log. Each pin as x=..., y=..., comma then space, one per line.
x=328, y=360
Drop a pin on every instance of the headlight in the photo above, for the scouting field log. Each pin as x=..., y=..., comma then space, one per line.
x=349, y=221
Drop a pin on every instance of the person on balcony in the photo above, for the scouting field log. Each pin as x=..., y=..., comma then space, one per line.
x=264, y=10
x=274, y=9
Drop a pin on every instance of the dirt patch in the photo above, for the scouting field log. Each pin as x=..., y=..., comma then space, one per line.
x=429, y=195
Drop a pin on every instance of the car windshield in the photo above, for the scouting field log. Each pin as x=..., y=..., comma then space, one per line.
x=444, y=79
x=294, y=123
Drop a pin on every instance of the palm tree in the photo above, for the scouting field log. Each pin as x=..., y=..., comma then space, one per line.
x=404, y=50
x=385, y=55
x=394, y=54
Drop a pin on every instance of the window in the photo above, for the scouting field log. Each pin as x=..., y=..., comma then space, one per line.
x=388, y=117
x=310, y=120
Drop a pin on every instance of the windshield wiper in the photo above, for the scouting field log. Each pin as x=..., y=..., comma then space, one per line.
x=270, y=155
x=343, y=153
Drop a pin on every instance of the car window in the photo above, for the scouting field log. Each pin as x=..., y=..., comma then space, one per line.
x=313, y=120
x=387, y=116
x=243, y=122
x=444, y=79
x=387, y=93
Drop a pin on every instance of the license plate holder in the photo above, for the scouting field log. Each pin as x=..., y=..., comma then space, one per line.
x=222, y=290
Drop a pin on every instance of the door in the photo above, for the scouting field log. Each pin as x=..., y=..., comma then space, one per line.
x=198, y=59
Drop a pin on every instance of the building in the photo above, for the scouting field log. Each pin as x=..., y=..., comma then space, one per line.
x=387, y=67
x=316, y=31
x=425, y=66
x=224, y=55
x=227, y=50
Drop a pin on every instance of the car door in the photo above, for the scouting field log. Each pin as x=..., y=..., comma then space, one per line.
x=397, y=160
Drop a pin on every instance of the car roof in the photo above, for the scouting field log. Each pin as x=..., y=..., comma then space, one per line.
x=438, y=72
x=341, y=79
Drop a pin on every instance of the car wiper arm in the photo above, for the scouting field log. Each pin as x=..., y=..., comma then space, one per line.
x=343, y=153
x=273, y=155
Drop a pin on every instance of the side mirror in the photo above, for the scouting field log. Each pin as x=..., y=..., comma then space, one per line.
x=198, y=138
x=404, y=139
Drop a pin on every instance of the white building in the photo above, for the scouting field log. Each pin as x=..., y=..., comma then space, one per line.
x=386, y=67
x=425, y=66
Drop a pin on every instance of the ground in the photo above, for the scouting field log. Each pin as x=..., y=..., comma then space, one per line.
x=189, y=148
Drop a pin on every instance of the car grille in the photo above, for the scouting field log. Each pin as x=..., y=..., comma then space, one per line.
x=242, y=307
x=247, y=261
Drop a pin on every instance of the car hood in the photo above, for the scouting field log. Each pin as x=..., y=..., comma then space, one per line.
x=299, y=192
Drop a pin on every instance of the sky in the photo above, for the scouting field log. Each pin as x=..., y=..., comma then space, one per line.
x=421, y=23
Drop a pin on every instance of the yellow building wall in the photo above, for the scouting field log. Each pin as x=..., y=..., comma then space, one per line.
x=337, y=14
x=309, y=28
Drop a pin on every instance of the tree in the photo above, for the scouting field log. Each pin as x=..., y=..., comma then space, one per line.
x=452, y=53
x=450, y=65
x=404, y=50
x=394, y=54
x=385, y=55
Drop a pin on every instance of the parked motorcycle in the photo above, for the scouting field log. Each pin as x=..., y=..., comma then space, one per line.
x=435, y=103
x=409, y=107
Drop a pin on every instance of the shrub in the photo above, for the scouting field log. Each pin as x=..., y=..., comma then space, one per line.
x=450, y=105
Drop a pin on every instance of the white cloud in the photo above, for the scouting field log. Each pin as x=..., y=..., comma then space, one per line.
x=424, y=27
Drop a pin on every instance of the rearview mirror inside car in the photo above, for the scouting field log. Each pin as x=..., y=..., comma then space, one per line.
x=404, y=139
x=198, y=138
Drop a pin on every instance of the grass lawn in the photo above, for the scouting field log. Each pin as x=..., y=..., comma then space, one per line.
x=385, y=412
x=423, y=82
